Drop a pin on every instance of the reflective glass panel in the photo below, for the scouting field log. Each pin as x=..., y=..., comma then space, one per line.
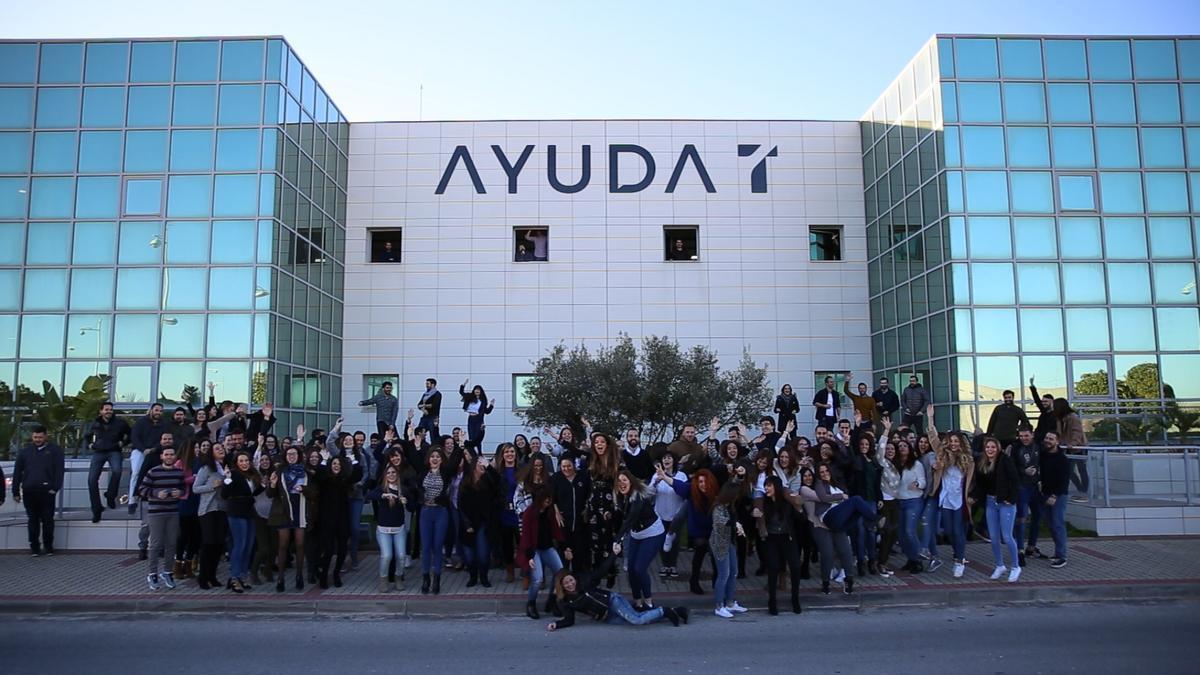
x=45, y=289
x=975, y=57
x=1031, y=192
x=16, y=107
x=1133, y=329
x=95, y=244
x=1021, y=58
x=229, y=335
x=192, y=150
x=189, y=196
x=1036, y=237
x=949, y=102
x=1154, y=59
x=188, y=241
x=1038, y=283
x=237, y=150
x=51, y=198
x=45, y=243
x=20, y=66
x=54, y=152
x=240, y=104
x=1158, y=103
x=231, y=288
x=143, y=197
x=88, y=336
x=61, y=63
x=1178, y=328
x=983, y=146
x=1109, y=59
x=1073, y=147
x=33, y=374
x=1069, y=103
x=262, y=335
x=107, y=62
x=1179, y=374
x=266, y=195
x=1050, y=372
x=1077, y=193
x=1175, y=283
x=1065, y=60
x=979, y=101
x=1117, y=147
x=1083, y=283
x=98, y=197
x=232, y=241
x=187, y=287
x=1162, y=147
x=146, y=151
x=1170, y=238
x=236, y=195
x=195, y=106
x=10, y=290
x=1166, y=192
x=149, y=106
x=100, y=152
x=42, y=336
x=990, y=238
x=1129, y=283
x=994, y=332
x=138, y=288
x=196, y=61
x=103, y=106
x=1125, y=238
x=954, y=193
x=183, y=337
x=58, y=107
x=242, y=60
x=136, y=243
x=1091, y=378
x=1189, y=59
x=1193, y=147
x=12, y=243
x=232, y=379
x=992, y=283
x=14, y=152
x=151, y=62
x=135, y=335
x=1113, y=103
x=1087, y=330
x=1191, y=102
x=1121, y=192
x=132, y=383
x=266, y=231
x=1028, y=147
x=1041, y=330
x=987, y=191
x=1024, y=102
x=174, y=375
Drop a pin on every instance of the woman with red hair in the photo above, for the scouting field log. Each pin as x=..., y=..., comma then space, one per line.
x=699, y=523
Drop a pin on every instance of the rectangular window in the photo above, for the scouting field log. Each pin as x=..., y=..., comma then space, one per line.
x=825, y=242
x=143, y=197
x=681, y=243
x=1077, y=192
x=520, y=396
x=385, y=245
x=530, y=244
x=373, y=384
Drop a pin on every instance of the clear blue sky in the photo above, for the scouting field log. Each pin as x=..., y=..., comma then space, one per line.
x=616, y=58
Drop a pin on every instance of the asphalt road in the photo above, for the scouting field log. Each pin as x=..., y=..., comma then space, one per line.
x=1091, y=638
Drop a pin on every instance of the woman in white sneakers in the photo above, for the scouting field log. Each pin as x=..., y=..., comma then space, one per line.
x=997, y=482
x=953, y=472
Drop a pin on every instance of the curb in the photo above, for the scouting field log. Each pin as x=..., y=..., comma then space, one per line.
x=511, y=605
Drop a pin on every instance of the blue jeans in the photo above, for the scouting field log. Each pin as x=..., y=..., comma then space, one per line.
x=99, y=459
x=392, y=545
x=1058, y=525
x=544, y=560
x=639, y=555
x=1000, y=519
x=430, y=425
x=843, y=516
x=434, y=523
x=620, y=611
x=910, y=514
x=476, y=551
x=956, y=530
x=356, y=509
x=135, y=466
x=727, y=570
x=929, y=525
x=1028, y=506
x=242, y=531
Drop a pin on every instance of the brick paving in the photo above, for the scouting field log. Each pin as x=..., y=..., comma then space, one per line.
x=121, y=576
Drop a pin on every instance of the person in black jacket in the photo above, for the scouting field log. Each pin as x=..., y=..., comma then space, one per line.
x=786, y=406
x=147, y=430
x=105, y=438
x=581, y=594
x=242, y=484
x=1056, y=472
x=887, y=402
x=1047, y=420
x=572, y=488
x=827, y=404
x=430, y=406
x=479, y=506
x=336, y=482
x=998, y=481
x=37, y=478
x=391, y=498
x=646, y=532
x=477, y=406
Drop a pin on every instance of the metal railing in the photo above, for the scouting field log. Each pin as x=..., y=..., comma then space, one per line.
x=1148, y=473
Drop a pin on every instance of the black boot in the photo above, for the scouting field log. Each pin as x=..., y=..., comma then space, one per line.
x=337, y=579
x=860, y=568
x=531, y=610
x=682, y=613
x=848, y=588
x=299, y=581
x=669, y=613
x=804, y=573
x=772, y=606
x=425, y=584
x=483, y=580
x=795, y=602
x=437, y=584
x=280, y=585
x=323, y=578
x=694, y=586
x=473, y=579
x=825, y=587
x=872, y=568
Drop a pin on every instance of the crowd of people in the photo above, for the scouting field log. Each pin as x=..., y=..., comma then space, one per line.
x=573, y=512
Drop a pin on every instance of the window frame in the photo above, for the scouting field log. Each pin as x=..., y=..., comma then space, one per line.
x=691, y=230
x=516, y=237
x=1095, y=178
x=368, y=391
x=838, y=230
x=399, y=236
x=518, y=395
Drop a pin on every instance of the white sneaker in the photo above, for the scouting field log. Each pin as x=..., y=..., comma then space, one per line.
x=959, y=568
x=999, y=571
x=840, y=577
x=152, y=581
x=736, y=608
x=167, y=580
x=724, y=613
x=1014, y=574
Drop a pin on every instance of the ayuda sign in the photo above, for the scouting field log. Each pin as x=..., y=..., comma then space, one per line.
x=689, y=155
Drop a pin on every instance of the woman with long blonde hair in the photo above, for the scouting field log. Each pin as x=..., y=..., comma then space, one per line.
x=953, y=473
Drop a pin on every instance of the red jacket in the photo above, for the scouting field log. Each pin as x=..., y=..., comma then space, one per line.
x=530, y=524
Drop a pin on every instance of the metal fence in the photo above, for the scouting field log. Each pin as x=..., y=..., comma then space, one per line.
x=1133, y=475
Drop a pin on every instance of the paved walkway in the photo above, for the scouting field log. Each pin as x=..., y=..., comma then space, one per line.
x=1097, y=568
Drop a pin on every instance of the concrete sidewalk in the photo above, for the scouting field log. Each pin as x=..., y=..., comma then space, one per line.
x=1098, y=569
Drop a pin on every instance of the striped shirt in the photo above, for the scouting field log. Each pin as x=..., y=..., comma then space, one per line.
x=156, y=487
